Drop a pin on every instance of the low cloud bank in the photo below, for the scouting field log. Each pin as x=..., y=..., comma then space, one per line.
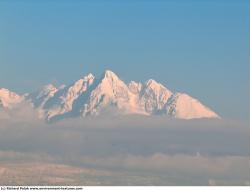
x=129, y=150
x=156, y=169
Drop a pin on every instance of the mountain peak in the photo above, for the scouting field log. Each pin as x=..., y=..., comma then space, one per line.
x=182, y=105
x=9, y=98
x=151, y=81
x=4, y=90
x=154, y=84
x=88, y=77
x=88, y=96
x=110, y=81
x=135, y=87
x=109, y=74
x=49, y=87
x=7, y=93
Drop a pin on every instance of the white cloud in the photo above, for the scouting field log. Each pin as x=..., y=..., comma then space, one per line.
x=130, y=150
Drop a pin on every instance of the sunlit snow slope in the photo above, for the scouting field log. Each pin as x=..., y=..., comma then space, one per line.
x=109, y=95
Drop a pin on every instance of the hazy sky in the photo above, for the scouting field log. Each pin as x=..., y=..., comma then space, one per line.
x=202, y=48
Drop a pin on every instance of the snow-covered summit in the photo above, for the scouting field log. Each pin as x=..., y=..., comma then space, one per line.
x=135, y=87
x=109, y=91
x=48, y=90
x=108, y=74
x=109, y=95
x=39, y=97
x=8, y=99
x=63, y=101
x=154, y=96
x=183, y=106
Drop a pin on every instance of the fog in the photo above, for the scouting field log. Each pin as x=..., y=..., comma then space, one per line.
x=123, y=150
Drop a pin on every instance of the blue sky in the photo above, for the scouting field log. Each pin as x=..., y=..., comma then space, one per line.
x=198, y=47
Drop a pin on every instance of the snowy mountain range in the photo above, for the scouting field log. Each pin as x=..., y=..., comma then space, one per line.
x=90, y=96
